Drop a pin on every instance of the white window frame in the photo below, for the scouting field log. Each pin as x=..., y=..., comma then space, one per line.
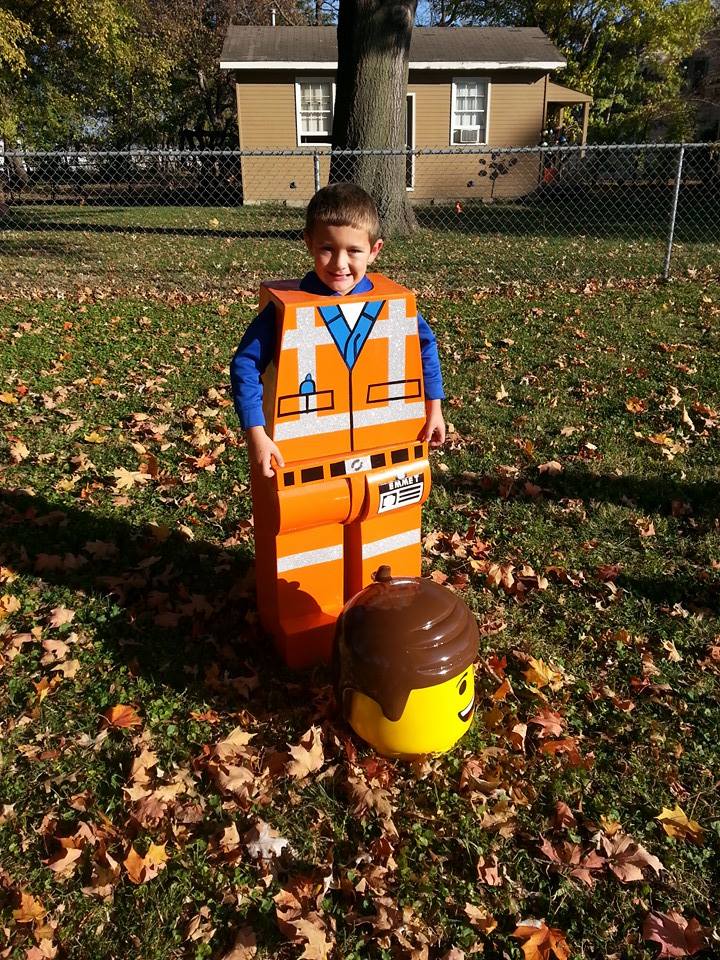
x=411, y=146
x=483, y=135
x=298, y=118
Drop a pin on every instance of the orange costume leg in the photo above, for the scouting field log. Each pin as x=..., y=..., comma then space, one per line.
x=393, y=539
x=388, y=531
x=299, y=566
x=300, y=603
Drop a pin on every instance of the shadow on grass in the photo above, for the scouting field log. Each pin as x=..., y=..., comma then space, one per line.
x=697, y=501
x=175, y=609
x=65, y=226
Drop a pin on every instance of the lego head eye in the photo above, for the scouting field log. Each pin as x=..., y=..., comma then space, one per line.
x=463, y=686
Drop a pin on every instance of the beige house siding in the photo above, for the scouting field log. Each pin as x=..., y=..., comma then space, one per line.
x=267, y=120
x=516, y=102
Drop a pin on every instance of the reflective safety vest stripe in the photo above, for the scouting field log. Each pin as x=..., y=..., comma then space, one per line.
x=347, y=373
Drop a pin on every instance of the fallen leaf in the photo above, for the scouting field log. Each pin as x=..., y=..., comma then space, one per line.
x=60, y=616
x=308, y=755
x=552, y=468
x=18, y=452
x=676, y=824
x=628, y=859
x=541, y=942
x=122, y=716
x=245, y=946
x=263, y=843
x=30, y=909
x=480, y=918
x=551, y=723
x=677, y=936
x=539, y=674
x=142, y=869
x=95, y=437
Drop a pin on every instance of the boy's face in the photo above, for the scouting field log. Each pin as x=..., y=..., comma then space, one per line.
x=341, y=254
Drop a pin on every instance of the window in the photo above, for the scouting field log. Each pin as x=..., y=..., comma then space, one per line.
x=469, y=110
x=314, y=104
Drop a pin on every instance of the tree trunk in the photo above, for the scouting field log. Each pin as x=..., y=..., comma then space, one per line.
x=373, y=48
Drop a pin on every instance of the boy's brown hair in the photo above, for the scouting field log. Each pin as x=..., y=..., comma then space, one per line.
x=344, y=205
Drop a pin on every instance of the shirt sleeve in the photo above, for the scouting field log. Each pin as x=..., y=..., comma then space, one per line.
x=432, y=375
x=248, y=365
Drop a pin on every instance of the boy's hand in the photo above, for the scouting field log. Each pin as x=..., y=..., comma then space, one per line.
x=262, y=451
x=434, y=429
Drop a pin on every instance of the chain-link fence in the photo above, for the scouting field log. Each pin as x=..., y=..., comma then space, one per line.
x=531, y=212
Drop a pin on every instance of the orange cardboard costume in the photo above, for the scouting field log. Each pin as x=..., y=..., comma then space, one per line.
x=344, y=402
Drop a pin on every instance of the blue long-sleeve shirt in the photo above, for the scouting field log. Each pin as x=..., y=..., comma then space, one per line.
x=258, y=345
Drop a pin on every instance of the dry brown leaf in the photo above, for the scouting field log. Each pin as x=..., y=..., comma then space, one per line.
x=541, y=675
x=676, y=824
x=312, y=932
x=551, y=723
x=141, y=869
x=122, y=715
x=64, y=862
x=563, y=817
x=480, y=918
x=677, y=936
x=540, y=941
x=30, y=909
x=551, y=468
x=245, y=946
x=488, y=871
x=18, y=452
x=308, y=755
x=60, y=615
x=628, y=859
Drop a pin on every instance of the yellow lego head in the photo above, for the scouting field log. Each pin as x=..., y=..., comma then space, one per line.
x=405, y=649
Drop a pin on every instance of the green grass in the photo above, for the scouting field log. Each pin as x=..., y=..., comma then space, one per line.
x=159, y=576
x=216, y=249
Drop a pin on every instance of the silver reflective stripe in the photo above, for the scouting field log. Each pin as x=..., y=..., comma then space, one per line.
x=309, y=558
x=388, y=544
x=311, y=424
x=305, y=339
x=395, y=330
x=391, y=414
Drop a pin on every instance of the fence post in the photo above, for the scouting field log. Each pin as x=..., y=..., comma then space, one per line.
x=673, y=211
x=316, y=170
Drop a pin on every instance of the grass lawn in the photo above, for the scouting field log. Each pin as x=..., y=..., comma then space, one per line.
x=168, y=790
x=210, y=248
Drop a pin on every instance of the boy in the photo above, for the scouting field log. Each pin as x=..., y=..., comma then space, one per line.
x=334, y=376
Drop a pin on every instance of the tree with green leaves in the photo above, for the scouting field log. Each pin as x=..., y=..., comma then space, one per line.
x=64, y=66
x=627, y=54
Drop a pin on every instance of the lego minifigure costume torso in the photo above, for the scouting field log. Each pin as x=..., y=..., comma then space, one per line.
x=344, y=399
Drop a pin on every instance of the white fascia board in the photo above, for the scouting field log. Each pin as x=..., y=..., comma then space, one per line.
x=413, y=65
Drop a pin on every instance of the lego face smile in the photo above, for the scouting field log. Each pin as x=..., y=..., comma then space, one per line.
x=462, y=686
x=430, y=722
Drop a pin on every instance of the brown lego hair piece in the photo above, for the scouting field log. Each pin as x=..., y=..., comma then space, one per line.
x=401, y=634
x=344, y=205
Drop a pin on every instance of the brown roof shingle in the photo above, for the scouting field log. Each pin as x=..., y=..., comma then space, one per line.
x=517, y=46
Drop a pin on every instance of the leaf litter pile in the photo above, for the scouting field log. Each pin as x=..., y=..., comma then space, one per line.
x=167, y=789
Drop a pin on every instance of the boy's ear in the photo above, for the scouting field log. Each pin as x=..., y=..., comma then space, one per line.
x=375, y=249
x=308, y=240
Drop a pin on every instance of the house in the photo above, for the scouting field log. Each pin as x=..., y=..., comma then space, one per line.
x=471, y=87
